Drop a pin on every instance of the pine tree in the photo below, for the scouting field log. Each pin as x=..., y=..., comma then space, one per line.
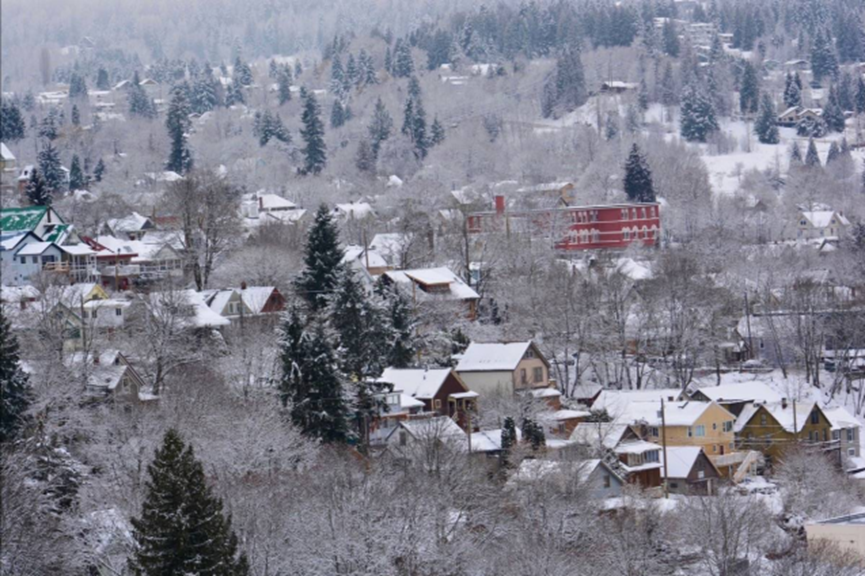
x=352, y=72
x=633, y=120
x=859, y=98
x=749, y=92
x=671, y=39
x=76, y=115
x=437, y=132
x=643, y=96
x=845, y=92
x=792, y=92
x=364, y=159
x=77, y=87
x=812, y=127
x=284, y=86
x=182, y=528
x=140, y=103
x=403, y=64
x=337, y=78
x=669, y=94
x=380, y=127
x=310, y=386
x=243, y=72
x=509, y=440
x=766, y=125
x=833, y=115
x=234, y=94
x=367, y=69
x=37, y=191
x=77, y=181
x=298, y=68
x=824, y=62
x=611, y=126
x=698, y=119
x=205, y=94
x=102, y=82
x=15, y=392
x=177, y=122
x=322, y=259
x=638, y=178
x=795, y=155
x=99, y=171
x=834, y=153
x=48, y=127
x=388, y=61
x=534, y=434
x=811, y=157
x=52, y=170
x=419, y=131
x=272, y=69
x=315, y=150
x=337, y=114
x=12, y=126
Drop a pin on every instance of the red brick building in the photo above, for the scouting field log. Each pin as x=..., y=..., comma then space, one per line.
x=576, y=227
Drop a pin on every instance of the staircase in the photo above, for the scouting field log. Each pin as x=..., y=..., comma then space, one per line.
x=745, y=468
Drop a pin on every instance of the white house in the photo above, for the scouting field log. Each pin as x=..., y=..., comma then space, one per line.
x=503, y=368
x=822, y=224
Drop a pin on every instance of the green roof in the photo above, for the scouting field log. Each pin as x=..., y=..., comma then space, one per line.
x=57, y=233
x=21, y=219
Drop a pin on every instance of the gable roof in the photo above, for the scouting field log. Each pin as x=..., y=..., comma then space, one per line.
x=492, y=356
x=601, y=434
x=5, y=154
x=21, y=219
x=442, y=276
x=490, y=440
x=533, y=470
x=416, y=382
x=681, y=460
x=435, y=428
x=134, y=222
x=782, y=414
x=256, y=297
x=840, y=418
x=823, y=218
x=354, y=253
x=740, y=392
x=645, y=406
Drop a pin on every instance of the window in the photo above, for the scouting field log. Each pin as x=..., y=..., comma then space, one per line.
x=642, y=213
x=768, y=439
x=690, y=432
x=626, y=234
x=851, y=434
x=815, y=417
x=851, y=451
x=728, y=426
x=538, y=374
x=607, y=482
x=654, y=431
x=714, y=448
x=93, y=313
x=701, y=431
x=624, y=213
x=34, y=259
x=403, y=438
x=118, y=312
x=523, y=378
x=651, y=456
x=714, y=425
x=836, y=435
x=674, y=485
x=561, y=428
x=763, y=420
x=701, y=474
x=437, y=403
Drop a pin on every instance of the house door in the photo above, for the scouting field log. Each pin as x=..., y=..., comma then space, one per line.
x=722, y=449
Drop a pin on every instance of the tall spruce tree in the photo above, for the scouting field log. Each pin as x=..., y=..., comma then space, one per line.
x=638, y=177
x=380, y=127
x=364, y=158
x=310, y=386
x=322, y=260
x=12, y=126
x=824, y=62
x=671, y=39
x=749, y=91
x=76, y=115
x=314, y=150
x=140, y=103
x=99, y=171
x=509, y=440
x=337, y=78
x=283, y=84
x=16, y=395
x=833, y=115
x=669, y=93
x=51, y=168
x=795, y=154
x=102, y=82
x=766, y=125
x=811, y=157
x=698, y=119
x=403, y=64
x=182, y=529
x=859, y=97
x=792, y=91
x=337, y=114
x=834, y=153
x=437, y=132
x=77, y=181
x=77, y=87
x=177, y=122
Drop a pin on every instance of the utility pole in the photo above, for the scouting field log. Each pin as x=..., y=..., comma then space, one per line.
x=748, y=322
x=664, y=445
x=795, y=423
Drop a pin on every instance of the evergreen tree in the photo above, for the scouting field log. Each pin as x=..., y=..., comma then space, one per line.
x=633, y=120
x=315, y=150
x=12, y=126
x=749, y=92
x=509, y=440
x=310, y=386
x=140, y=103
x=337, y=78
x=76, y=115
x=611, y=126
x=669, y=93
x=182, y=528
x=568, y=81
x=298, y=69
x=380, y=127
x=77, y=181
x=811, y=157
x=177, y=122
x=364, y=159
x=52, y=170
x=859, y=98
x=367, y=68
x=846, y=93
x=795, y=155
x=403, y=64
x=833, y=115
x=534, y=434
x=272, y=69
x=322, y=259
x=234, y=94
x=437, y=132
x=824, y=62
x=671, y=39
x=16, y=394
x=638, y=178
x=37, y=190
x=77, y=87
x=388, y=61
x=766, y=125
x=792, y=91
x=205, y=92
x=99, y=171
x=48, y=127
x=337, y=114
x=352, y=72
x=284, y=86
x=643, y=96
x=812, y=127
x=102, y=82
x=243, y=72
x=834, y=153
x=698, y=118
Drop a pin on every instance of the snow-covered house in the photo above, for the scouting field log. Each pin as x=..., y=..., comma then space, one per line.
x=773, y=427
x=503, y=368
x=353, y=211
x=426, y=440
x=123, y=262
x=821, y=224
x=441, y=391
x=595, y=476
x=260, y=208
x=132, y=227
x=109, y=373
x=360, y=258
x=735, y=396
x=435, y=285
x=8, y=168
x=689, y=471
x=618, y=86
x=189, y=306
x=845, y=429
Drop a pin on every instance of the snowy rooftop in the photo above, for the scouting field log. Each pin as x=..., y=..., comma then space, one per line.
x=681, y=460
x=606, y=434
x=416, y=382
x=741, y=392
x=840, y=418
x=457, y=289
x=636, y=447
x=5, y=154
x=492, y=357
x=645, y=406
x=256, y=297
x=824, y=218
x=438, y=427
x=369, y=257
x=135, y=222
x=490, y=440
x=782, y=412
x=356, y=210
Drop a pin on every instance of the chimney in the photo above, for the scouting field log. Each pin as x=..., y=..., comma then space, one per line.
x=260, y=203
x=783, y=403
x=500, y=205
x=243, y=285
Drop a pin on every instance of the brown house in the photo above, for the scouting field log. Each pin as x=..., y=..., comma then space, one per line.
x=641, y=461
x=690, y=471
x=772, y=428
x=441, y=390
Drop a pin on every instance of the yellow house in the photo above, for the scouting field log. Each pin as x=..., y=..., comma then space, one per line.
x=688, y=423
x=771, y=428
